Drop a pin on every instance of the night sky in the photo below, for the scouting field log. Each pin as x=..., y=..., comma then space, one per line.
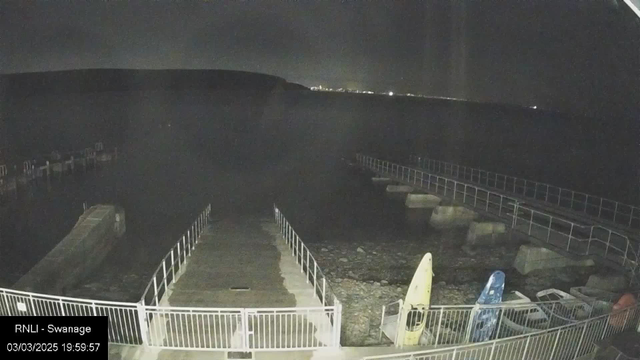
x=575, y=56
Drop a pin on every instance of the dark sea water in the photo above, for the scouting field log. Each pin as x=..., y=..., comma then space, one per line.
x=181, y=150
x=336, y=205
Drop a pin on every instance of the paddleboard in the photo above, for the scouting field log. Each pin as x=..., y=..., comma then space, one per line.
x=484, y=321
x=416, y=303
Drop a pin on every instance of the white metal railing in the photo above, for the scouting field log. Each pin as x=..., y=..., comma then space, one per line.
x=612, y=211
x=241, y=329
x=577, y=239
x=171, y=265
x=124, y=326
x=566, y=235
x=568, y=342
x=3, y=171
x=308, y=265
x=455, y=324
x=247, y=329
x=313, y=274
x=264, y=329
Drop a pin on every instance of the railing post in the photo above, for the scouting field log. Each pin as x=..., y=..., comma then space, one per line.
x=155, y=289
x=61, y=307
x=439, y=326
x=555, y=346
x=307, y=274
x=615, y=212
x=337, y=325
x=142, y=319
x=589, y=242
x=626, y=317
x=606, y=251
x=526, y=347
x=33, y=308
x=600, y=208
x=173, y=263
x=164, y=274
x=570, y=236
x=549, y=232
x=546, y=195
x=179, y=257
x=6, y=304
x=315, y=278
x=464, y=196
x=324, y=288
x=606, y=325
x=581, y=338
x=530, y=222
x=470, y=324
x=586, y=202
x=493, y=348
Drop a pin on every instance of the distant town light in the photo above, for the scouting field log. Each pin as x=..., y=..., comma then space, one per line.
x=534, y=107
x=390, y=93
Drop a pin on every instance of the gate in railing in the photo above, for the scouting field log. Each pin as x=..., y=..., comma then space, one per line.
x=240, y=329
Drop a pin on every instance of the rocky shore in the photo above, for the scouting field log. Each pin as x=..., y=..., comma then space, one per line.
x=365, y=275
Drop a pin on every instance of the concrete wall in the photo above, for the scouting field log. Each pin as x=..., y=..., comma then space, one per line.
x=78, y=254
x=486, y=233
x=452, y=216
x=531, y=258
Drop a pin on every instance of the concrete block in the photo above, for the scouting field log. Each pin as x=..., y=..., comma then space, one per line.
x=399, y=189
x=612, y=282
x=381, y=180
x=422, y=201
x=57, y=167
x=78, y=254
x=489, y=233
x=104, y=157
x=531, y=258
x=452, y=216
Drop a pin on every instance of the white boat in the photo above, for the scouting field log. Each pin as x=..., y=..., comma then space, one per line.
x=562, y=307
x=601, y=300
x=523, y=319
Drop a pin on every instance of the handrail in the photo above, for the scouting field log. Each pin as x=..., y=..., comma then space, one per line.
x=532, y=344
x=613, y=211
x=449, y=324
x=567, y=235
x=146, y=322
x=177, y=256
x=307, y=262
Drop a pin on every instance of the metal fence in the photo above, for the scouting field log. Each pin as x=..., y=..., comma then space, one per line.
x=149, y=323
x=308, y=265
x=173, y=263
x=566, y=235
x=461, y=324
x=124, y=326
x=242, y=329
x=612, y=211
x=568, y=342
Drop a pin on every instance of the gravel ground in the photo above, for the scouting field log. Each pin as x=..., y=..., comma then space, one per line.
x=366, y=275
